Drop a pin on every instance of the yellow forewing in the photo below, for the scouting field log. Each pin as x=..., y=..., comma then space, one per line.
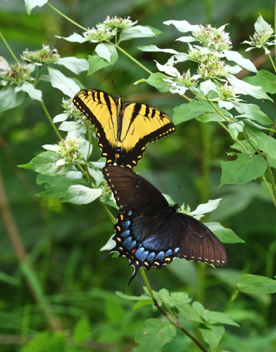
x=122, y=130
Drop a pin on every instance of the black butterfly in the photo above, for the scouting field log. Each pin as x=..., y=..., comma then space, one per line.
x=149, y=232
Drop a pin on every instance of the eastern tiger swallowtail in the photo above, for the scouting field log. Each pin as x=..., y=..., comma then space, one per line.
x=149, y=232
x=123, y=128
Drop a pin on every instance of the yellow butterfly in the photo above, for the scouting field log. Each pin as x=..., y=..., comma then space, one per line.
x=123, y=128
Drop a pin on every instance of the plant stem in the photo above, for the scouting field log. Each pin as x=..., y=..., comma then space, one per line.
x=109, y=213
x=51, y=121
x=69, y=19
x=271, y=180
x=272, y=62
x=174, y=322
x=8, y=47
x=33, y=283
x=132, y=58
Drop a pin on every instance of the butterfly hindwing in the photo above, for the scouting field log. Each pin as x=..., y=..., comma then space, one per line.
x=149, y=232
x=123, y=128
x=142, y=124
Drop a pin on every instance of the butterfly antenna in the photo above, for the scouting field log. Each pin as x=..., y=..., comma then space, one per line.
x=116, y=88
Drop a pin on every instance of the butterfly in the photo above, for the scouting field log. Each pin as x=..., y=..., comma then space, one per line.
x=149, y=232
x=123, y=128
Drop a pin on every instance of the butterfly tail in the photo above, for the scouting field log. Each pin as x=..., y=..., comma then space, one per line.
x=134, y=273
x=106, y=254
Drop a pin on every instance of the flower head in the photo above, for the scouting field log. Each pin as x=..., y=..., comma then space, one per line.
x=17, y=74
x=68, y=150
x=260, y=39
x=99, y=34
x=44, y=56
x=118, y=22
x=213, y=38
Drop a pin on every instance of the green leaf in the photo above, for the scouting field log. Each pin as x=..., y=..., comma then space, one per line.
x=218, y=317
x=81, y=331
x=9, y=98
x=240, y=60
x=252, y=112
x=209, y=117
x=136, y=32
x=107, y=52
x=61, y=82
x=154, y=48
x=249, y=89
x=187, y=312
x=256, y=284
x=74, y=38
x=96, y=63
x=57, y=186
x=73, y=64
x=30, y=4
x=183, y=113
x=262, y=141
x=133, y=298
x=235, y=128
x=60, y=118
x=264, y=79
x=242, y=170
x=213, y=335
x=261, y=25
x=27, y=87
x=153, y=335
x=225, y=235
x=45, y=163
x=156, y=80
x=183, y=26
x=78, y=194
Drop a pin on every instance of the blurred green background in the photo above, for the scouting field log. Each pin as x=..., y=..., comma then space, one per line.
x=63, y=240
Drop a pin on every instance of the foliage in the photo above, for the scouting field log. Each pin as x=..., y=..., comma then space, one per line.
x=70, y=170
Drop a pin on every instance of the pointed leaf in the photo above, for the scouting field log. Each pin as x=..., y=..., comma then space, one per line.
x=256, y=284
x=153, y=335
x=242, y=170
x=30, y=4
x=95, y=64
x=136, y=32
x=240, y=60
x=224, y=235
x=183, y=26
x=9, y=98
x=107, y=52
x=66, y=85
x=78, y=194
x=35, y=94
x=246, y=88
x=156, y=80
x=264, y=79
x=74, y=64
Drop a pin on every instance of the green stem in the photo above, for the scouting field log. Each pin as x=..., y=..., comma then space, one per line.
x=69, y=19
x=272, y=62
x=109, y=213
x=51, y=121
x=270, y=174
x=132, y=58
x=269, y=190
x=8, y=47
x=174, y=322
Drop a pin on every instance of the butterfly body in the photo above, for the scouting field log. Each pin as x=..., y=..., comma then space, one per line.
x=123, y=128
x=150, y=233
